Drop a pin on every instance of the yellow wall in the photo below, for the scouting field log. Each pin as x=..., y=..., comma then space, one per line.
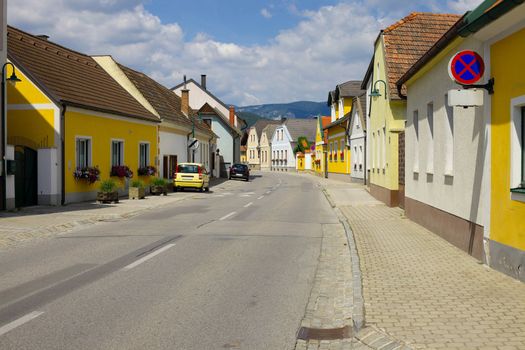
x=347, y=105
x=300, y=162
x=24, y=92
x=335, y=163
x=507, y=224
x=391, y=116
x=102, y=130
x=319, y=149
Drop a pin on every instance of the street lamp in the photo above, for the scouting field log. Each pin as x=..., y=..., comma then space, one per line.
x=375, y=91
x=13, y=79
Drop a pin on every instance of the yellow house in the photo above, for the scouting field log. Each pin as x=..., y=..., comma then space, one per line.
x=71, y=124
x=338, y=150
x=396, y=49
x=321, y=140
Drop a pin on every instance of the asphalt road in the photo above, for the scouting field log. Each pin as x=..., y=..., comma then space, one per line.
x=228, y=269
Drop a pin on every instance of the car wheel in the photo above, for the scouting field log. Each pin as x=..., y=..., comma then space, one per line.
x=207, y=189
x=175, y=189
x=247, y=179
x=201, y=189
x=229, y=177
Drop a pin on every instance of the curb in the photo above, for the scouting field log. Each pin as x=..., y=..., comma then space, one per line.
x=369, y=336
x=358, y=308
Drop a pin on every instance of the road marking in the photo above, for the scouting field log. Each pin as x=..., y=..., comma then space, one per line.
x=227, y=216
x=245, y=195
x=261, y=197
x=268, y=192
x=249, y=204
x=16, y=323
x=147, y=257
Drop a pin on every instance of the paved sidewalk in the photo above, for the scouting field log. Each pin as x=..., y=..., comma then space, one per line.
x=42, y=222
x=422, y=290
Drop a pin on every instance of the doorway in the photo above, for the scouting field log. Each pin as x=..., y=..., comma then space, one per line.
x=26, y=177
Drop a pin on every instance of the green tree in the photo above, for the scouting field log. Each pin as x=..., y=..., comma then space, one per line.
x=302, y=145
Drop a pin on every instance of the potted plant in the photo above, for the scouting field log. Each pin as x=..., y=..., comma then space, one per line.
x=87, y=174
x=121, y=171
x=147, y=170
x=136, y=190
x=158, y=187
x=108, y=192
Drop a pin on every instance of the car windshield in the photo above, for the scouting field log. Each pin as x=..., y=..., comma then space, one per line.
x=240, y=167
x=188, y=169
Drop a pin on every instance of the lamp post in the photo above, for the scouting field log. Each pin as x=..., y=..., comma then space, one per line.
x=12, y=79
x=375, y=91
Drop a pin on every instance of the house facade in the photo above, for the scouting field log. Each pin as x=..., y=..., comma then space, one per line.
x=357, y=136
x=177, y=126
x=223, y=121
x=76, y=128
x=256, y=156
x=285, y=139
x=321, y=141
x=266, y=146
x=396, y=49
x=340, y=101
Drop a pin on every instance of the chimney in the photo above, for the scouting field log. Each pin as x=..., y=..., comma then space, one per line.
x=43, y=36
x=185, y=100
x=232, y=116
x=203, y=81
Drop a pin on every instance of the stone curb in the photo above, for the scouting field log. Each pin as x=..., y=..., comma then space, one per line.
x=369, y=336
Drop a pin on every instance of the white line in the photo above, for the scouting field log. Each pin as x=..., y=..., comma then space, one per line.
x=147, y=257
x=261, y=197
x=227, y=216
x=247, y=205
x=268, y=192
x=16, y=323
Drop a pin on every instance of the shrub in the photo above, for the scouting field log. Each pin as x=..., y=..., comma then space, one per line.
x=121, y=171
x=89, y=174
x=137, y=183
x=147, y=170
x=108, y=186
x=157, y=181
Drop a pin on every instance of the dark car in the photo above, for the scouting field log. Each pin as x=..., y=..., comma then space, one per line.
x=239, y=171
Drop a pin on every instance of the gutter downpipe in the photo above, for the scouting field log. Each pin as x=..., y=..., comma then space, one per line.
x=63, y=154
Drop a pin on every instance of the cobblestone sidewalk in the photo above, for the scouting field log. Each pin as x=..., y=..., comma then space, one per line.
x=424, y=291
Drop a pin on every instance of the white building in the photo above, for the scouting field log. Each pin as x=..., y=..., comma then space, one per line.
x=284, y=141
x=358, y=139
x=223, y=122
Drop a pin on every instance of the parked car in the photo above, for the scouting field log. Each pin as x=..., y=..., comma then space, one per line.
x=239, y=171
x=191, y=175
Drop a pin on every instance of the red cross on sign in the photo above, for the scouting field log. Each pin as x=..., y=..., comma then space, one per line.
x=466, y=67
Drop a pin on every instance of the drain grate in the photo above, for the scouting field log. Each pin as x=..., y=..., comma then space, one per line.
x=306, y=333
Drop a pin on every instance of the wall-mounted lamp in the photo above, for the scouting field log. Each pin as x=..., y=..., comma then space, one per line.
x=375, y=91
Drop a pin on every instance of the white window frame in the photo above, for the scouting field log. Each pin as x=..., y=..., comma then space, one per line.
x=415, y=123
x=147, y=154
x=517, y=143
x=448, y=122
x=430, y=144
x=90, y=150
x=343, y=150
x=121, y=152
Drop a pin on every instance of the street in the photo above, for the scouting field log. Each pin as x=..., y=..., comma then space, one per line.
x=232, y=268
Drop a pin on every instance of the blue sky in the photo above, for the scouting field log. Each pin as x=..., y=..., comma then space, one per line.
x=253, y=51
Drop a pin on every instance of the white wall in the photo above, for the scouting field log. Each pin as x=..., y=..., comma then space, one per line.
x=172, y=144
x=10, y=181
x=357, y=148
x=48, y=173
x=284, y=145
x=455, y=187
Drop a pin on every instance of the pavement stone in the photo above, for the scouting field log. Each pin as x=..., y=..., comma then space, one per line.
x=420, y=289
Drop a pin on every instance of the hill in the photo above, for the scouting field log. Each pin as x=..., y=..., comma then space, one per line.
x=300, y=109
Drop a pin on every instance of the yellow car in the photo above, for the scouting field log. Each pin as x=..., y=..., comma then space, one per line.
x=191, y=175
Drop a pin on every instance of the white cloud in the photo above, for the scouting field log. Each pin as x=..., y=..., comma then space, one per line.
x=328, y=46
x=463, y=5
x=266, y=13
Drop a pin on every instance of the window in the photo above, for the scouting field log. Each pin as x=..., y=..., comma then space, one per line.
x=360, y=158
x=415, y=122
x=83, y=146
x=430, y=147
x=342, y=150
x=449, y=138
x=522, y=184
x=517, y=149
x=117, y=153
x=335, y=150
x=143, y=155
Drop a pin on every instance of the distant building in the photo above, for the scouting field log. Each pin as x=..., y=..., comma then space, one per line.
x=255, y=154
x=285, y=139
x=357, y=134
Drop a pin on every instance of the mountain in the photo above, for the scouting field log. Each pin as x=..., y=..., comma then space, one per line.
x=300, y=109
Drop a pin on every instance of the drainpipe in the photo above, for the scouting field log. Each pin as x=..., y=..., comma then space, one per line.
x=63, y=155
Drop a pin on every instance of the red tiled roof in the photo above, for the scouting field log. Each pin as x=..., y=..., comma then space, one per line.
x=409, y=39
x=71, y=77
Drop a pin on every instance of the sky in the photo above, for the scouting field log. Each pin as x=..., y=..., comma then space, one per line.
x=252, y=51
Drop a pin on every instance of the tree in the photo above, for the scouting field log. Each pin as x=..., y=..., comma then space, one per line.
x=302, y=145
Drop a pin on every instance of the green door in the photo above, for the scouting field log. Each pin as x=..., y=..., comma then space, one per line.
x=26, y=177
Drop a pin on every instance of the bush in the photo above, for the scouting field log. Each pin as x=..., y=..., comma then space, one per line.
x=157, y=181
x=121, y=171
x=108, y=186
x=147, y=171
x=137, y=183
x=88, y=174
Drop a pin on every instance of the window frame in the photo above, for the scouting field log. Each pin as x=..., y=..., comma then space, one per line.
x=89, y=161
x=121, y=155
x=148, y=150
x=517, y=149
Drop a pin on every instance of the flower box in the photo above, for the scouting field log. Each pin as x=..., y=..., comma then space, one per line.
x=137, y=193
x=87, y=174
x=107, y=197
x=147, y=171
x=158, y=190
x=121, y=171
